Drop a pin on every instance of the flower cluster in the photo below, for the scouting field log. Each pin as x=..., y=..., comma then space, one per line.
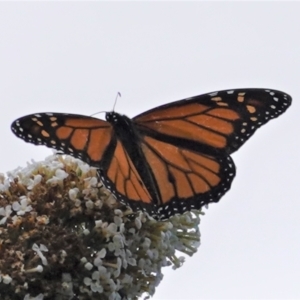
x=64, y=236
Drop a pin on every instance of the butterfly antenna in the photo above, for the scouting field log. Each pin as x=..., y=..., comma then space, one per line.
x=118, y=95
x=98, y=112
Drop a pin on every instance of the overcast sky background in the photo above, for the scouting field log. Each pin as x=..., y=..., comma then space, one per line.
x=75, y=57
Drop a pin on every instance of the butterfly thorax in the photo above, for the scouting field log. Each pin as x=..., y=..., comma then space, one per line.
x=125, y=132
x=122, y=126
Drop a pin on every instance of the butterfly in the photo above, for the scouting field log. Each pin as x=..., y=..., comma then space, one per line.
x=167, y=160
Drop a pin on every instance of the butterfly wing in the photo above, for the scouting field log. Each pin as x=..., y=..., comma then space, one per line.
x=221, y=120
x=187, y=143
x=120, y=175
x=186, y=179
x=80, y=136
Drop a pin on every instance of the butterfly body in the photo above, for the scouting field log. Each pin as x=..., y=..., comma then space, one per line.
x=168, y=160
x=126, y=132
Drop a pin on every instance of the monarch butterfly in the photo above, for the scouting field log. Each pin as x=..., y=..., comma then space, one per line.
x=167, y=160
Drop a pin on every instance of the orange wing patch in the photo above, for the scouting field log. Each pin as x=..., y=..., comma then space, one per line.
x=83, y=134
x=98, y=141
x=176, y=112
x=197, y=122
x=79, y=138
x=126, y=178
x=180, y=173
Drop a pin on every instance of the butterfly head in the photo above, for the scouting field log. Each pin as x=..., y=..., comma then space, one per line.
x=111, y=117
x=115, y=118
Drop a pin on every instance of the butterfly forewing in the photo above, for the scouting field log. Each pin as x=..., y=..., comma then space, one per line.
x=80, y=136
x=221, y=120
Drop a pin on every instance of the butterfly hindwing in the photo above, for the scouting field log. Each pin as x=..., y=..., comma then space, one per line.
x=186, y=179
x=122, y=177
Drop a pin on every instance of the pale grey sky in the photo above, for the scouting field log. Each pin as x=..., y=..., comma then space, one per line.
x=74, y=57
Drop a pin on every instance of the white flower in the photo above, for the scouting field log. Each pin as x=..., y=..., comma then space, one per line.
x=138, y=223
x=98, y=260
x=4, y=184
x=112, y=285
x=5, y=212
x=118, y=220
x=83, y=166
x=90, y=182
x=62, y=254
x=111, y=229
x=129, y=258
x=102, y=253
x=38, y=297
x=89, y=204
x=86, y=231
x=94, y=282
x=6, y=279
x=73, y=193
x=73, y=196
x=114, y=296
x=98, y=223
x=102, y=271
x=53, y=163
x=22, y=207
x=146, y=244
x=118, y=212
x=67, y=285
x=83, y=260
x=60, y=175
x=36, y=180
x=88, y=266
x=142, y=263
x=117, y=244
x=127, y=280
x=39, y=250
x=122, y=228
